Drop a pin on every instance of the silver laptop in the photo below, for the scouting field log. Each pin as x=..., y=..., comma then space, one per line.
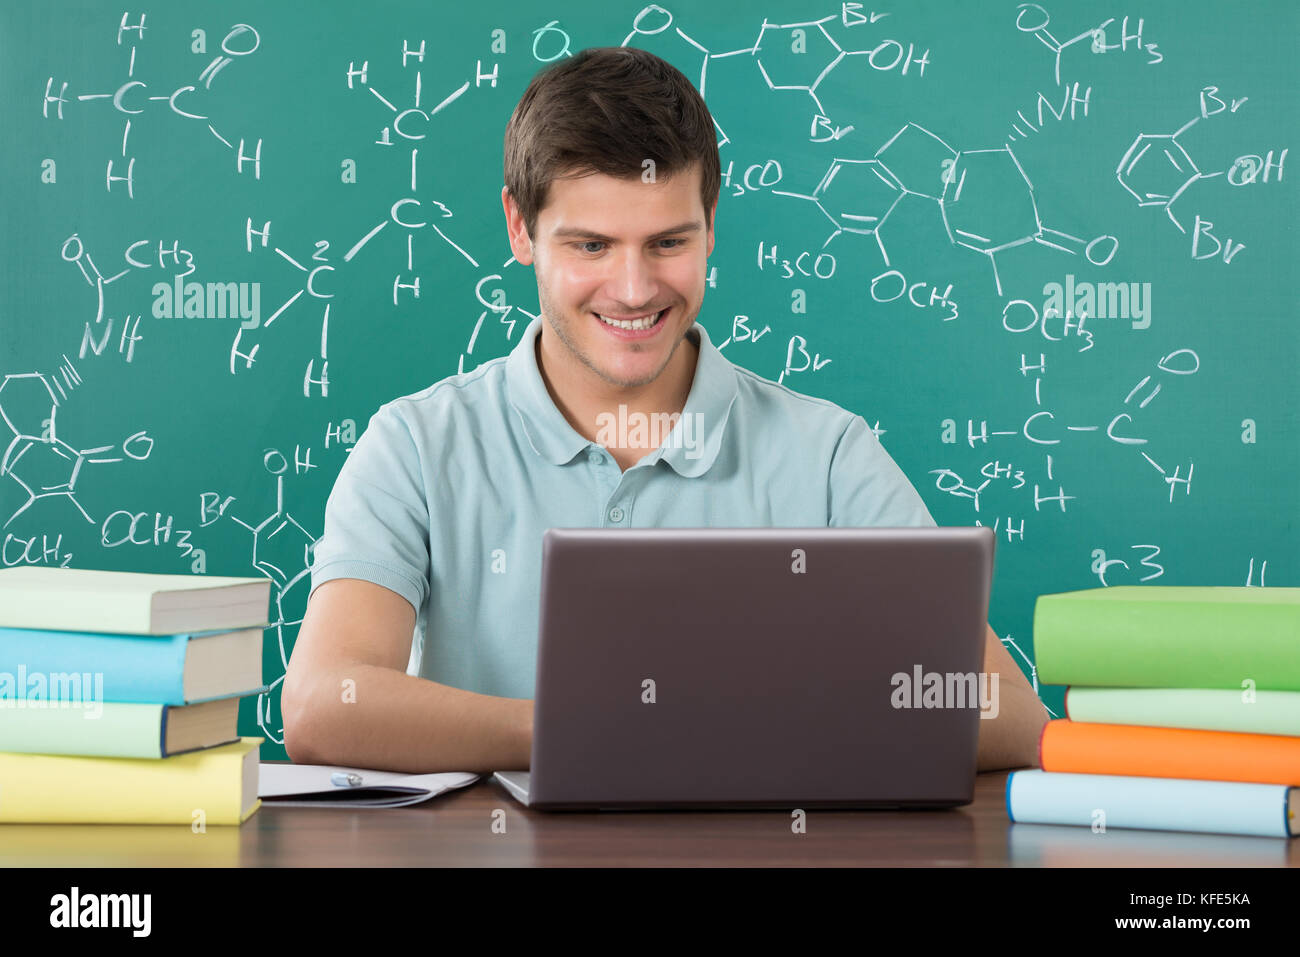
x=759, y=668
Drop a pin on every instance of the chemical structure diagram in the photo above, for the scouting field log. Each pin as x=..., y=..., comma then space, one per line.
x=985, y=199
x=282, y=550
x=408, y=126
x=1157, y=170
x=1033, y=19
x=886, y=56
x=36, y=458
x=1180, y=362
x=1177, y=168
x=817, y=54
x=74, y=251
x=130, y=98
x=319, y=264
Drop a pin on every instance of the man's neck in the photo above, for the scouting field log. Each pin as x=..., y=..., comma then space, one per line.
x=587, y=401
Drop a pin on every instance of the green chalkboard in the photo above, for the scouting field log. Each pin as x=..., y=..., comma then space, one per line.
x=920, y=202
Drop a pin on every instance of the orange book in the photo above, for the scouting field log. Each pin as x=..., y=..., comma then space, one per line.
x=1085, y=748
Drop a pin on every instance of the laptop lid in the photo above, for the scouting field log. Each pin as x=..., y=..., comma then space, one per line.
x=760, y=667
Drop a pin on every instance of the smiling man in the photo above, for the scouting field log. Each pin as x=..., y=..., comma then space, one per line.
x=617, y=307
x=419, y=645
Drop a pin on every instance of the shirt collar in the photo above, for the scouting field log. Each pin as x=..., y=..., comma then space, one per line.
x=690, y=449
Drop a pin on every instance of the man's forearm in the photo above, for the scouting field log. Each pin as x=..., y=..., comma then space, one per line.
x=375, y=717
x=1010, y=740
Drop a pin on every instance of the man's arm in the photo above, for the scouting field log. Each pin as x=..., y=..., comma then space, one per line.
x=347, y=699
x=1009, y=740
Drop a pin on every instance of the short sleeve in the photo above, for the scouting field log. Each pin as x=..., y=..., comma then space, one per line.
x=867, y=488
x=377, y=514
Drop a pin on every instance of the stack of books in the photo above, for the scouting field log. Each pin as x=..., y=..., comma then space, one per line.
x=119, y=696
x=1182, y=711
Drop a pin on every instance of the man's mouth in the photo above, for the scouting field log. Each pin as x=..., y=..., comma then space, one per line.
x=637, y=323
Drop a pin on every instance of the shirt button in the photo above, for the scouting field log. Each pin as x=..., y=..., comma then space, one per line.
x=616, y=514
x=595, y=457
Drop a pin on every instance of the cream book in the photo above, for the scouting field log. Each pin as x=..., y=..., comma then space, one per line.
x=116, y=729
x=212, y=786
x=80, y=599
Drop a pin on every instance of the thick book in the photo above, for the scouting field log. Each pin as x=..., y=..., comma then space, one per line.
x=79, y=599
x=1208, y=709
x=1135, y=636
x=116, y=729
x=1128, y=749
x=212, y=786
x=88, y=667
x=1162, y=804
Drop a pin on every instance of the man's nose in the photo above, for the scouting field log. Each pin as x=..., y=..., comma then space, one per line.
x=633, y=281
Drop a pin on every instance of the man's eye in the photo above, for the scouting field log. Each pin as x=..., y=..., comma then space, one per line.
x=586, y=247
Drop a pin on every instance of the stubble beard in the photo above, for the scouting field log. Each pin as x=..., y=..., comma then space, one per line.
x=560, y=326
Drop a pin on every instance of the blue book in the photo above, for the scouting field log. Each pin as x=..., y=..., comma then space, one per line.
x=1163, y=804
x=69, y=666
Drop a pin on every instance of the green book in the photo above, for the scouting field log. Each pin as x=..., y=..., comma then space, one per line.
x=1136, y=636
x=1207, y=709
x=115, y=729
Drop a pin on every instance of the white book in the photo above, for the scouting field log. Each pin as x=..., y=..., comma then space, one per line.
x=78, y=599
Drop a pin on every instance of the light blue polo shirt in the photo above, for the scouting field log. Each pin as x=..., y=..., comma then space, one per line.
x=446, y=495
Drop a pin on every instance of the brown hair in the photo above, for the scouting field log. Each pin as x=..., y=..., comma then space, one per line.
x=606, y=110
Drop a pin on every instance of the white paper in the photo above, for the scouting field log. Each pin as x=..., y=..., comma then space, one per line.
x=275, y=781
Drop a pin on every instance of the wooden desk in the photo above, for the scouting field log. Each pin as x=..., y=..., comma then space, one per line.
x=455, y=830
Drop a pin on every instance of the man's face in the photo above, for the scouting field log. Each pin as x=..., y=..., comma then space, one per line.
x=627, y=250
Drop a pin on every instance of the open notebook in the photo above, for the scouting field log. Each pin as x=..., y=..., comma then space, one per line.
x=311, y=785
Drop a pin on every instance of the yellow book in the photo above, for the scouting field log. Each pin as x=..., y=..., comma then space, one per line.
x=212, y=786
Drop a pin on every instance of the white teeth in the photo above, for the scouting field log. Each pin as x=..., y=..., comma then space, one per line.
x=631, y=325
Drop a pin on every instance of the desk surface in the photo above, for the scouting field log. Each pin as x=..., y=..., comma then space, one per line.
x=456, y=829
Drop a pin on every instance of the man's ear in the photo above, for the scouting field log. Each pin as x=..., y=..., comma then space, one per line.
x=520, y=244
x=713, y=218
